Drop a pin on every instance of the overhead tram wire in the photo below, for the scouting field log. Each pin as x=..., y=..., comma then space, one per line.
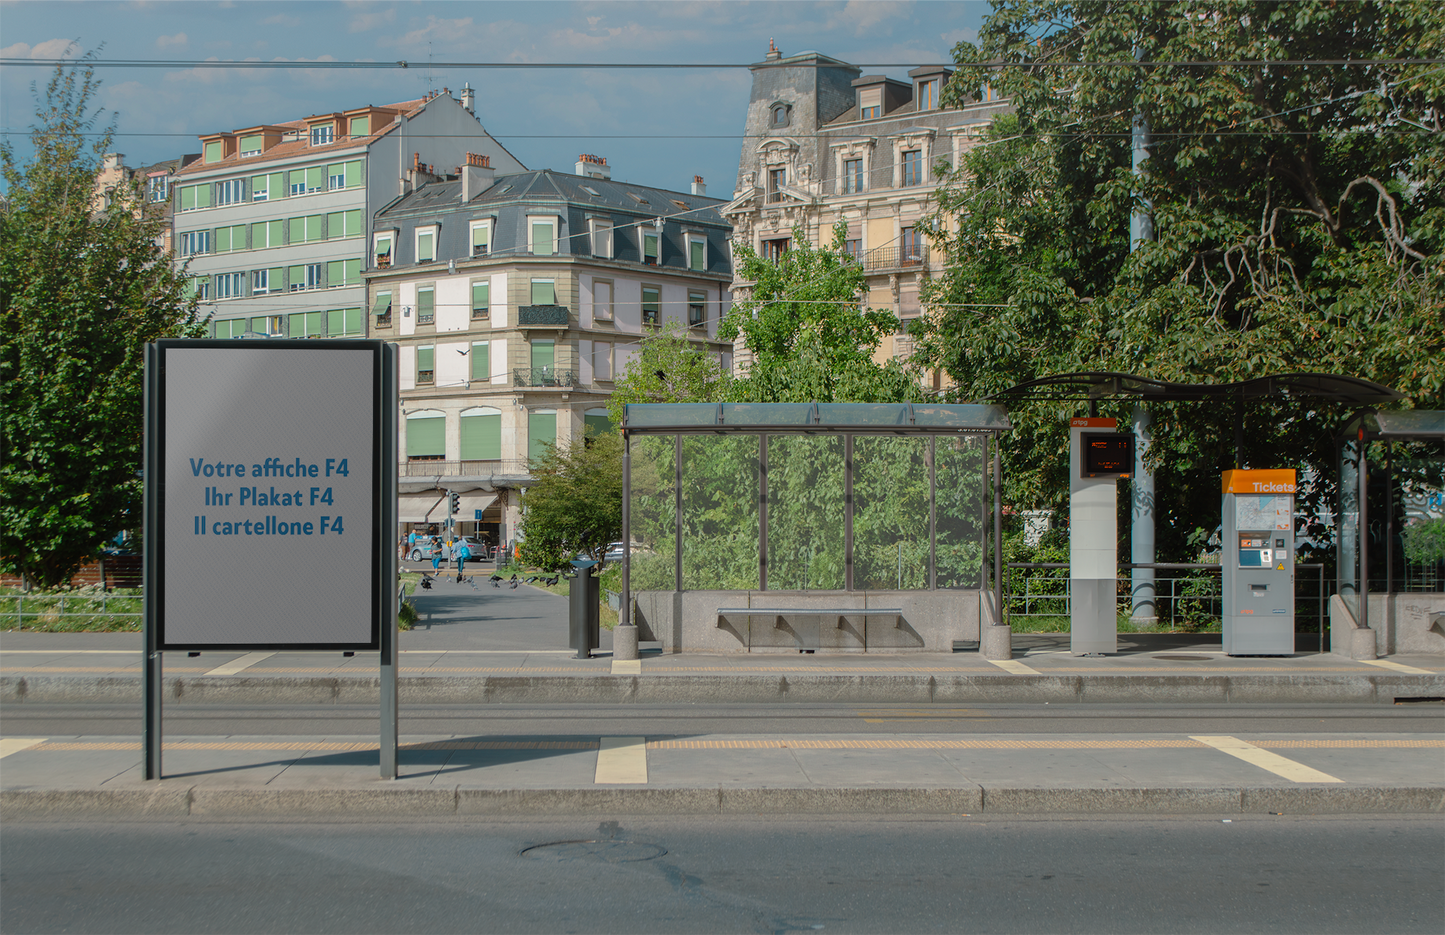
x=522, y=66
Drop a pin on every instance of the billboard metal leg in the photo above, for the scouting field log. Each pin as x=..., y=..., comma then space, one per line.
x=152, y=726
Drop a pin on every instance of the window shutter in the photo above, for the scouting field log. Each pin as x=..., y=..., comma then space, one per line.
x=544, y=292
x=425, y=302
x=354, y=177
x=314, y=322
x=544, y=354
x=353, y=223
x=273, y=233
x=353, y=320
x=214, y=151
x=352, y=269
x=479, y=236
x=698, y=251
x=382, y=304
x=188, y=198
x=203, y=196
x=296, y=277
x=276, y=185
x=481, y=297
x=425, y=358
x=250, y=143
x=649, y=246
x=542, y=239
x=315, y=178
x=481, y=434
x=258, y=235
x=597, y=425
x=541, y=432
x=481, y=361
x=335, y=224
x=335, y=273
x=360, y=126
x=223, y=240
x=276, y=278
x=426, y=437
x=297, y=231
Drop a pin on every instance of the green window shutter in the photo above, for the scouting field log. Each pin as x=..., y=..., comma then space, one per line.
x=314, y=228
x=360, y=126
x=479, y=236
x=597, y=425
x=353, y=320
x=316, y=178
x=314, y=320
x=544, y=354
x=649, y=245
x=298, y=177
x=335, y=273
x=353, y=223
x=354, y=176
x=188, y=198
x=541, y=431
x=481, y=362
x=336, y=168
x=335, y=224
x=250, y=143
x=258, y=235
x=273, y=233
x=335, y=322
x=544, y=292
x=698, y=254
x=426, y=437
x=276, y=279
x=260, y=188
x=425, y=302
x=223, y=240
x=353, y=272
x=215, y=151
x=276, y=185
x=297, y=231
x=425, y=247
x=238, y=237
x=298, y=324
x=203, y=196
x=482, y=438
x=296, y=276
x=542, y=244
x=382, y=304
x=481, y=299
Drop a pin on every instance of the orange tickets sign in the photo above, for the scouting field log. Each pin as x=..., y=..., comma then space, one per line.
x=1093, y=423
x=1260, y=482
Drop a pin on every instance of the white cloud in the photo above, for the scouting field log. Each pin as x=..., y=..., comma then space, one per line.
x=871, y=17
x=179, y=41
x=365, y=22
x=50, y=48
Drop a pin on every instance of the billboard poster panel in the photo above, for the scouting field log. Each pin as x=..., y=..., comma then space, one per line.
x=268, y=482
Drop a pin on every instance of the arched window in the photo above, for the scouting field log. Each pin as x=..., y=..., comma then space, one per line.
x=481, y=434
x=426, y=435
x=780, y=115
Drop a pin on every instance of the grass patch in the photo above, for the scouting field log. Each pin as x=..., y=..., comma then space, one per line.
x=1025, y=623
x=81, y=610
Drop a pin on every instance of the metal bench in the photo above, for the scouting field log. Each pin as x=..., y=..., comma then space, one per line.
x=781, y=612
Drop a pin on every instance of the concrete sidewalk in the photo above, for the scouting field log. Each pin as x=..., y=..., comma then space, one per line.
x=243, y=777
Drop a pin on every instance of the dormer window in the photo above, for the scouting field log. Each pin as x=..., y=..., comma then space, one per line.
x=251, y=145
x=321, y=134
x=870, y=103
x=928, y=95
x=780, y=115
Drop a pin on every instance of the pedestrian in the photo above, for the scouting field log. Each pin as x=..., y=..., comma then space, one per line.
x=462, y=553
x=411, y=542
x=436, y=555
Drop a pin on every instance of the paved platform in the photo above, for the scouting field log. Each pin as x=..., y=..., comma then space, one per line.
x=238, y=777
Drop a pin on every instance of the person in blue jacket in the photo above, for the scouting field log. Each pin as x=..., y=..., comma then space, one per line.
x=462, y=553
x=436, y=555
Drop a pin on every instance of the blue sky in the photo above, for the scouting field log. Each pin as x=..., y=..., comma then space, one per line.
x=657, y=127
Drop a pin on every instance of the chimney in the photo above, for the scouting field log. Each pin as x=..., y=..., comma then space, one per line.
x=594, y=167
x=114, y=161
x=477, y=176
x=698, y=188
x=469, y=99
x=774, y=53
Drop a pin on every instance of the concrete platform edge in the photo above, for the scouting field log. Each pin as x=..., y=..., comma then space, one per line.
x=165, y=801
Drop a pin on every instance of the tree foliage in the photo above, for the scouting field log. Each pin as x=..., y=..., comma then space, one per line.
x=669, y=368
x=82, y=291
x=1298, y=213
x=810, y=335
x=575, y=503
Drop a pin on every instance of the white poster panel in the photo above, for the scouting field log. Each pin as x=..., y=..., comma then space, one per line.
x=269, y=495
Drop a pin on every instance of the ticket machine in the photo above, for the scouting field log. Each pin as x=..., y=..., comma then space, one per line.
x=1258, y=562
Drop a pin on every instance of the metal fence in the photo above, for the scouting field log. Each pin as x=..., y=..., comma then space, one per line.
x=1185, y=596
x=67, y=610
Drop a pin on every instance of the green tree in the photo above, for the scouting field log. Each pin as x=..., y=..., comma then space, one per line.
x=811, y=337
x=82, y=291
x=669, y=368
x=574, y=504
x=1298, y=212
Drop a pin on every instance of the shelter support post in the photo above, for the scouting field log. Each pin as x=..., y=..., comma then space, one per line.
x=151, y=679
x=624, y=638
x=996, y=636
x=387, y=534
x=1144, y=610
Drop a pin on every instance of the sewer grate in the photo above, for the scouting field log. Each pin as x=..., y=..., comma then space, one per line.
x=612, y=852
x=1184, y=658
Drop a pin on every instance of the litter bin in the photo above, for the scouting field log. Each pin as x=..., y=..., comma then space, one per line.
x=584, y=622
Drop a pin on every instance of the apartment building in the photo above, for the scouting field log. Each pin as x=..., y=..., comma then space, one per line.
x=517, y=298
x=826, y=143
x=272, y=221
x=115, y=178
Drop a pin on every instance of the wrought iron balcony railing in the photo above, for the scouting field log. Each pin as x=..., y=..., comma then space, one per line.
x=543, y=376
x=542, y=315
x=895, y=257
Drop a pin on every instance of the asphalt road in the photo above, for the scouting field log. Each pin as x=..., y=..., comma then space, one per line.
x=1274, y=874
x=39, y=720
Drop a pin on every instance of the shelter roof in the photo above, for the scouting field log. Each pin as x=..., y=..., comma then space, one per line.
x=805, y=418
x=1099, y=384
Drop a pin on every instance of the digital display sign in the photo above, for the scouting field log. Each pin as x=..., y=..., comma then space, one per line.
x=1107, y=454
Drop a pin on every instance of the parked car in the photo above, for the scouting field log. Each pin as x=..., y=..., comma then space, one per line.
x=422, y=551
x=479, y=550
x=614, y=552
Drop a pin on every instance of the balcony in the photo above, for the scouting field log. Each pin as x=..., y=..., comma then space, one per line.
x=543, y=316
x=885, y=258
x=543, y=376
x=460, y=468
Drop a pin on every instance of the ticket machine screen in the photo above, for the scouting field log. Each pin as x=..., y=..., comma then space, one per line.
x=1254, y=551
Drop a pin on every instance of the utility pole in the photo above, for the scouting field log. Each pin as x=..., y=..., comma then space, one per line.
x=1144, y=611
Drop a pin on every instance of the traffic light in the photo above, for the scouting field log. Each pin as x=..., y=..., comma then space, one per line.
x=455, y=501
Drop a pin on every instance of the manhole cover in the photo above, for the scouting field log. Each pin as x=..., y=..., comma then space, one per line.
x=613, y=852
x=1184, y=658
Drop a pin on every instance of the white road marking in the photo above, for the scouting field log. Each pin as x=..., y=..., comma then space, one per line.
x=1014, y=667
x=627, y=667
x=236, y=665
x=622, y=760
x=490, y=652
x=1395, y=666
x=9, y=745
x=1273, y=762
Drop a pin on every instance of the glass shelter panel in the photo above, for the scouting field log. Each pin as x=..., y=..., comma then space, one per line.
x=653, y=506
x=805, y=512
x=960, y=496
x=1348, y=562
x=720, y=512
x=890, y=513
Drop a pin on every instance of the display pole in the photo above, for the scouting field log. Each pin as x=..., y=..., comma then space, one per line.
x=151, y=678
x=387, y=530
